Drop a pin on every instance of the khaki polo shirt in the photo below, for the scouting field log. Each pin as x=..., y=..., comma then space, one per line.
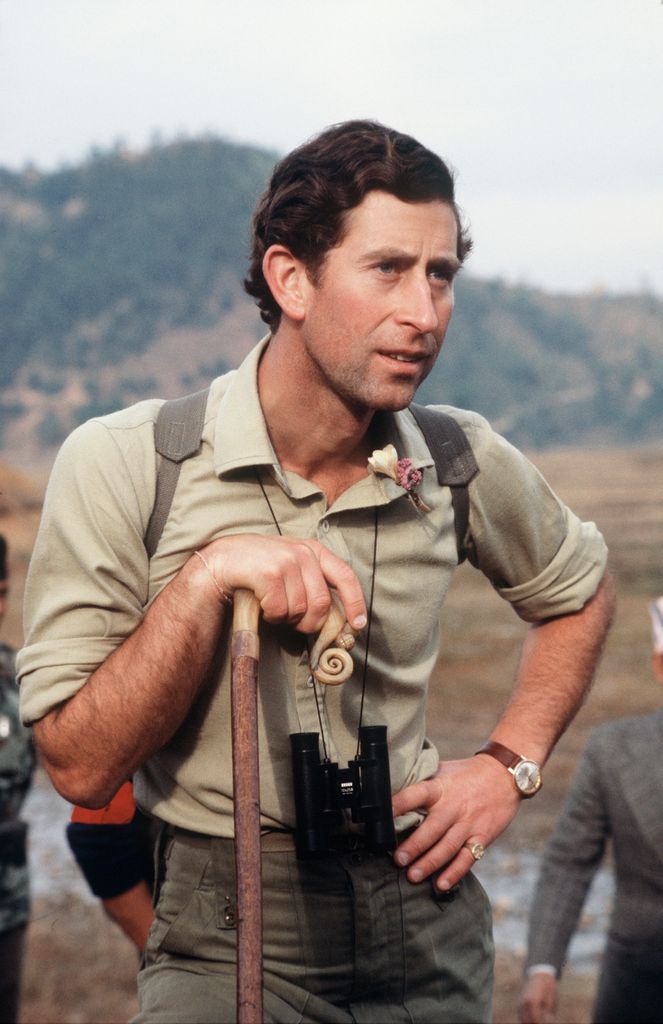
x=90, y=582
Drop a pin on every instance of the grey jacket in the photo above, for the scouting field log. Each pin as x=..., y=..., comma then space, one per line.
x=617, y=794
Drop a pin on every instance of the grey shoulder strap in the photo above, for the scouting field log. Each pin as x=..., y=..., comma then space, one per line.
x=177, y=435
x=454, y=462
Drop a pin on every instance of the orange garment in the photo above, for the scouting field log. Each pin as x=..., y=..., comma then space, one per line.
x=119, y=811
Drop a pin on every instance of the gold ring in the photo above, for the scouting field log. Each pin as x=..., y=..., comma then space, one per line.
x=476, y=849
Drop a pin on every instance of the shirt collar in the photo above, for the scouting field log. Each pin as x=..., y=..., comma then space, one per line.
x=251, y=446
x=240, y=436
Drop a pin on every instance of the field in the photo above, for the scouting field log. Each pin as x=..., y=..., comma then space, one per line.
x=79, y=967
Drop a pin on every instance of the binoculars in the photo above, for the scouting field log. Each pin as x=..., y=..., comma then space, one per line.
x=322, y=790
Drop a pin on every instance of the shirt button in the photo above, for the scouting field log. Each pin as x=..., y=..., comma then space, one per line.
x=325, y=526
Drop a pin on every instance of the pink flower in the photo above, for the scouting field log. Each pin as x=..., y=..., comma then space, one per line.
x=408, y=476
x=386, y=462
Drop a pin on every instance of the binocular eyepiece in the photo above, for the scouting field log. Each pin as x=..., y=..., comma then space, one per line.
x=322, y=790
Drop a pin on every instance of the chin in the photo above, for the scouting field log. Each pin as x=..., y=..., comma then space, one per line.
x=395, y=399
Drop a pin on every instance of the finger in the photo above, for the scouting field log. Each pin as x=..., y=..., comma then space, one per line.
x=272, y=594
x=455, y=870
x=343, y=578
x=423, y=839
x=294, y=589
x=317, y=599
x=439, y=856
x=417, y=797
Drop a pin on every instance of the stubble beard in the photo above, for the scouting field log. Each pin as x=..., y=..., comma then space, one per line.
x=361, y=393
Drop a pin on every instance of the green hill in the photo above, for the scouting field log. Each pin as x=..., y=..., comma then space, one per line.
x=121, y=278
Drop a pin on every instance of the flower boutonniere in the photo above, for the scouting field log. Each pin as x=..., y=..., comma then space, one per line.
x=386, y=461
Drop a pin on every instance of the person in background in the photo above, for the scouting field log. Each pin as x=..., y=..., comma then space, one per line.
x=616, y=796
x=17, y=762
x=113, y=849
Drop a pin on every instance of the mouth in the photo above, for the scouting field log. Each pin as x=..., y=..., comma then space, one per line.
x=403, y=359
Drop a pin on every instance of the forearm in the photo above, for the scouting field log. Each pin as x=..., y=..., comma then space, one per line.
x=133, y=703
x=475, y=798
x=133, y=912
x=556, y=669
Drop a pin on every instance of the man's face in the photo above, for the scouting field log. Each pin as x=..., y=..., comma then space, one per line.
x=375, y=321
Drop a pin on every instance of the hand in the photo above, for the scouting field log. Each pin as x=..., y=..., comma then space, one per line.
x=289, y=577
x=474, y=799
x=538, y=999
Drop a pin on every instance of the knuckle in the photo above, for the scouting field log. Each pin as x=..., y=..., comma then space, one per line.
x=319, y=602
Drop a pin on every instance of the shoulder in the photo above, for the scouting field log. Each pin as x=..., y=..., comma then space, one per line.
x=485, y=442
x=472, y=423
x=124, y=432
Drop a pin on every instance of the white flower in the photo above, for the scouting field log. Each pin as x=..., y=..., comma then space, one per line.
x=385, y=461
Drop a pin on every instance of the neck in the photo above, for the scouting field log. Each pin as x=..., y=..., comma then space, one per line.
x=314, y=433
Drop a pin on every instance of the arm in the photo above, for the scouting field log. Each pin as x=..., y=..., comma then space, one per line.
x=570, y=860
x=132, y=911
x=475, y=798
x=134, y=702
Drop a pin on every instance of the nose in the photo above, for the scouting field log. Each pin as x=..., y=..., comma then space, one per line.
x=418, y=307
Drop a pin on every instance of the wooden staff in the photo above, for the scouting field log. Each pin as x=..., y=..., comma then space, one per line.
x=246, y=799
x=328, y=666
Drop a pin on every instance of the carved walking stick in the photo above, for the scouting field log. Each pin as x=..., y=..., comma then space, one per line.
x=246, y=802
x=328, y=666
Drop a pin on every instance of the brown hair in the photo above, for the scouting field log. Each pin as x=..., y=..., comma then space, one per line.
x=313, y=188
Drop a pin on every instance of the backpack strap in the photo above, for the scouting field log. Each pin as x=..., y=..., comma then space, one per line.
x=177, y=436
x=454, y=461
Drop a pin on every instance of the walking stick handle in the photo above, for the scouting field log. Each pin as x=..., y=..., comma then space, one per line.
x=246, y=612
x=330, y=660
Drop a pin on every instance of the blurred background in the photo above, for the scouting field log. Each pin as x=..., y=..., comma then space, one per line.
x=134, y=140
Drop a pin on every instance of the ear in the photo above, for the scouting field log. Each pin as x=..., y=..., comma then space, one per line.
x=287, y=280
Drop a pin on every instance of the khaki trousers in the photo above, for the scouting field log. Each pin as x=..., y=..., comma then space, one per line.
x=346, y=939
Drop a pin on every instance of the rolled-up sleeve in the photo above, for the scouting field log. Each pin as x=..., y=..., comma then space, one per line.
x=87, y=583
x=537, y=553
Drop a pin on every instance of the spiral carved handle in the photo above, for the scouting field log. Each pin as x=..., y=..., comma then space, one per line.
x=335, y=666
x=330, y=661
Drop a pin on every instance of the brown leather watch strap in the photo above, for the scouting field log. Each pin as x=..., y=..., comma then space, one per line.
x=500, y=753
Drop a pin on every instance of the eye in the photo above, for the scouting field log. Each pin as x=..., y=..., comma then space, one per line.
x=387, y=267
x=441, y=278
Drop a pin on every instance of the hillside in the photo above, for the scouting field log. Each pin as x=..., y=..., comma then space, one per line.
x=120, y=278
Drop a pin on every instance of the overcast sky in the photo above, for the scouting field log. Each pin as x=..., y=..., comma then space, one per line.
x=551, y=111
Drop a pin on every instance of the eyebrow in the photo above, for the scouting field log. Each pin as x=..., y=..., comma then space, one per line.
x=448, y=265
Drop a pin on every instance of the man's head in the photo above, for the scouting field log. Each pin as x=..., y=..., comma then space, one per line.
x=4, y=583
x=312, y=190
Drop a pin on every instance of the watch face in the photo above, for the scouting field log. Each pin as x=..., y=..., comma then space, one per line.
x=527, y=775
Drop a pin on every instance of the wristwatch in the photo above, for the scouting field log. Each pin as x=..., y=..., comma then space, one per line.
x=526, y=773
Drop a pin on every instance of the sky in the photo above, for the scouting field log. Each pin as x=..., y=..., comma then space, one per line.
x=550, y=111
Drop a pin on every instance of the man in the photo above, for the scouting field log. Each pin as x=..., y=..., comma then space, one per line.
x=357, y=241
x=17, y=763
x=616, y=796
